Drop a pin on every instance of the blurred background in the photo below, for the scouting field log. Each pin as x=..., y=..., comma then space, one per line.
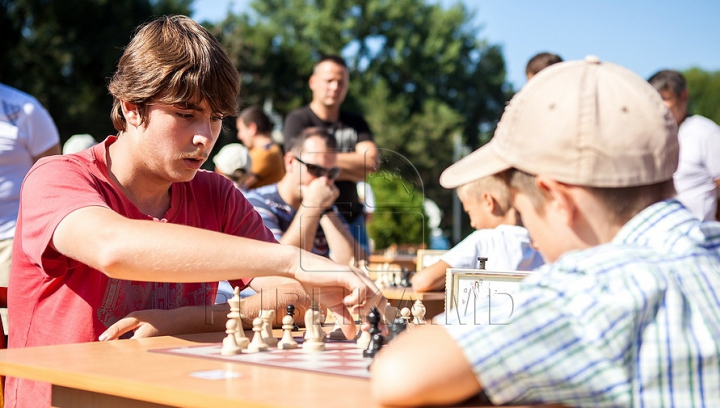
x=431, y=77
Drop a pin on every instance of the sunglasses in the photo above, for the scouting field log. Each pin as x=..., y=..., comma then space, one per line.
x=320, y=171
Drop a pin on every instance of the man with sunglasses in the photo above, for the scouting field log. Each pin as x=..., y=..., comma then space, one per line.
x=299, y=209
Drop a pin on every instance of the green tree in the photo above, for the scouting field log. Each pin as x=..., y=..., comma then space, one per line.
x=704, y=89
x=419, y=72
x=63, y=52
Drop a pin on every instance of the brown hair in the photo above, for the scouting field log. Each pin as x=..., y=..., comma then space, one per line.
x=255, y=114
x=621, y=203
x=298, y=143
x=541, y=61
x=174, y=61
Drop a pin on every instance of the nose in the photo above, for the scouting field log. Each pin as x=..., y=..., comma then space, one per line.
x=206, y=134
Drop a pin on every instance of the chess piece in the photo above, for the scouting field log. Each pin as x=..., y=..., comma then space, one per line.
x=405, y=278
x=291, y=312
x=481, y=262
x=418, y=312
x=364, y=340
x=314, y=335
x=229, y=346
x=287, y=341
x=405, y=314
x=257, y=343
x=377, y=340
x=240, y=339
x=268, y=316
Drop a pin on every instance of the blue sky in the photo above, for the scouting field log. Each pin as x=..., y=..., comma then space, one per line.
x=642, y=35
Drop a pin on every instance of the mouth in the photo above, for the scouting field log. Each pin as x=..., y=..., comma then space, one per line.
x=193, y=162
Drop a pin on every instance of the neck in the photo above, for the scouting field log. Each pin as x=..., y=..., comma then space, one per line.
x=261, y=140
x=289, y=191
x=150, y=195
x=326, y=113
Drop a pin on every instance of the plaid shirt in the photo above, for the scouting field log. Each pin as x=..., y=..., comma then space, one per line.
x=634, y=322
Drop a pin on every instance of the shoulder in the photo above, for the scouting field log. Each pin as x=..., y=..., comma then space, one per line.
x=699, y=125
x=299, y=113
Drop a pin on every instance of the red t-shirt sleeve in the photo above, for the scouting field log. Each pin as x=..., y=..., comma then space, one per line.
x=62, y=185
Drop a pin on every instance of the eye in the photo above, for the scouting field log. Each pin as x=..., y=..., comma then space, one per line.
x=216, y=118
x=185, y=115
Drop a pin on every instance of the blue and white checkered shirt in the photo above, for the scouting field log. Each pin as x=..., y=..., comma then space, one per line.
x=635, y=322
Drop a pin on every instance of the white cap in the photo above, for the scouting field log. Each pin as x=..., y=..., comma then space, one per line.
x=587, y=123
x=231, y=157
x=78, y=142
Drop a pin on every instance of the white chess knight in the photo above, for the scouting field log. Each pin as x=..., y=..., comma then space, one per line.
x=268, y=317
x=314, y=334
x=287, y=341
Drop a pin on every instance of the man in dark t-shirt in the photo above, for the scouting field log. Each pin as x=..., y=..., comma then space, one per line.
x=357, y=152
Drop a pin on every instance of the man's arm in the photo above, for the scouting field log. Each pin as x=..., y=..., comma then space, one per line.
x=342, y=245
x=162, y=252
x=430, y=278
x=49, y=152
x=411, y=374
x=355, y=165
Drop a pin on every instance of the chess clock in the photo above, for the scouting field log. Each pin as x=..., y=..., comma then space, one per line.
x=479, y=296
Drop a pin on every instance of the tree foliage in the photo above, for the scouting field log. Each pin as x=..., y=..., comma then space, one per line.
x=63, y=52
x=419, y=72
x=704, y=89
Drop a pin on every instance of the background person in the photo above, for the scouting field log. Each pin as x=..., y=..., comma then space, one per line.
x=254, y=130
x=540, y=61
x=299, y=209
x=498, y=238
x=698, y=174
x=233, y=162
x=27, y=134
x=357, y=154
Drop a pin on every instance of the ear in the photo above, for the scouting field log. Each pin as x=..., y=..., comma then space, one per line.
x=131, y=113
x=288, y=160
x=560, y=203
x=488, y=201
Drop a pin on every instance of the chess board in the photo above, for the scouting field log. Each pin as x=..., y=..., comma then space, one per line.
x=339, y=357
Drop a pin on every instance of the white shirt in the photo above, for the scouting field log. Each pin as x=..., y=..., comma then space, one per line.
x=507, y=248
x=26, y=131
x=699, y=166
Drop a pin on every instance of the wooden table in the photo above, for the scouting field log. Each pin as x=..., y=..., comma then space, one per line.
x=406, y=261
x=124, y=374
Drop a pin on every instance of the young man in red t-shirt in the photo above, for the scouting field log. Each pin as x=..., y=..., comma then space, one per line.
x=102, y=234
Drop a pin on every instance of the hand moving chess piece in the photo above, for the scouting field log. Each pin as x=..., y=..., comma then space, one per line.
x=314, y=334
x=287, y=341
x=268, y=317
x=257, y=343
x=377, y=340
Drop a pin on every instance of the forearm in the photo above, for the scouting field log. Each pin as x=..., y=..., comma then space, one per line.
x=356, y=165
x=343, y=247
x=430, y=278
x=162, y=252
x=301, y=232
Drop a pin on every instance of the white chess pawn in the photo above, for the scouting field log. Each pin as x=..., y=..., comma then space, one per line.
x=268, y=316
x=257, y=343
x=229, y=346
x=418, y=312
x=287, y=341
x=405, y=314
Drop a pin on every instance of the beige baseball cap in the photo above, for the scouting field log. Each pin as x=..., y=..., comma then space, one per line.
x=231, y=157
x=586, y=123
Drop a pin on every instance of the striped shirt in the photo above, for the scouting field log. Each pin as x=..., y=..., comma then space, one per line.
x=634, y=322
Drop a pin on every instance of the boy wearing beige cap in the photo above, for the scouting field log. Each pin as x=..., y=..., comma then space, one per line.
x=626, y=312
